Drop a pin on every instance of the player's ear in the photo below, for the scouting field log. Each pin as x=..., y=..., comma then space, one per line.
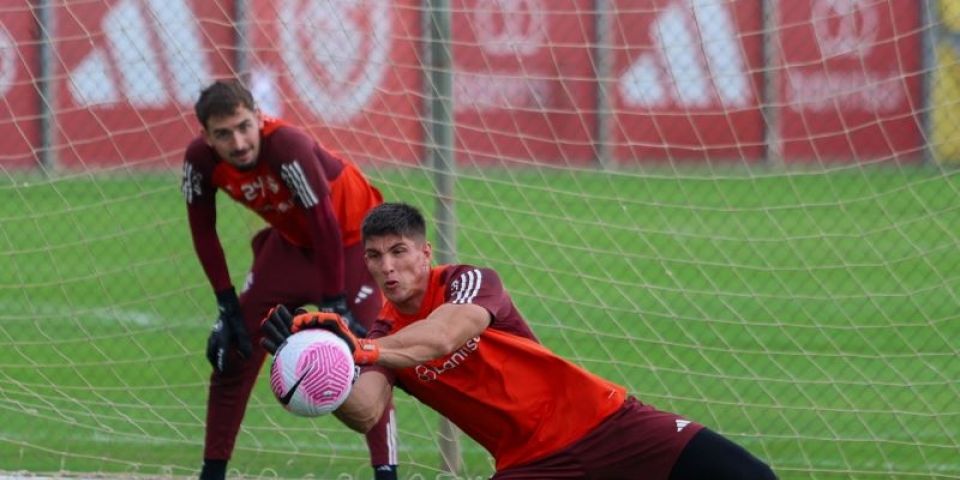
x=428, y=252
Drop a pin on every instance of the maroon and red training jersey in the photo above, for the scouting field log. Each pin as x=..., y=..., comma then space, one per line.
x=315, y=199
x=502, y=388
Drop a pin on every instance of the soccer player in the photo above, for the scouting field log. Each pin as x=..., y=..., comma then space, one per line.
x=310, y=252
x=451, y=336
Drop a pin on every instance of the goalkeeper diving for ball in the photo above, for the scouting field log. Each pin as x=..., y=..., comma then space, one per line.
x=451, y=336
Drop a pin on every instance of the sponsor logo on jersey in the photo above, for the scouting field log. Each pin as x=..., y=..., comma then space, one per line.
x=431, y=371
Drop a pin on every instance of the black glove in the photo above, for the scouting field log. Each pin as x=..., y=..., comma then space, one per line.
x=228, y=332
x=338, y=305
x=275, y=328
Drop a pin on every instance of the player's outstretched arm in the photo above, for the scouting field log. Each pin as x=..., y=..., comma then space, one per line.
x=446, y=329
x=367, y=400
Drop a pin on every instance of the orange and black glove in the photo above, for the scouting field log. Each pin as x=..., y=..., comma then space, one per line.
x=365, y=352
x=338, y=305
x=280, y=324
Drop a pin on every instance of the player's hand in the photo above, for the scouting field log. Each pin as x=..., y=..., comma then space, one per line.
x=365, y=352
x=338, y=305
x=275, y=328
x=228, y=332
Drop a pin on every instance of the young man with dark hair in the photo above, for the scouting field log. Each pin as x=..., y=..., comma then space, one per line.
x=451, y=337
x=310, y=252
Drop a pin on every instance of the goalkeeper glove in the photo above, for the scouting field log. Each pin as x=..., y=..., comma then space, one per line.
x=365, y=352
x=275, y=328
x=229, y=331
x=280, y=324
x=338, y=305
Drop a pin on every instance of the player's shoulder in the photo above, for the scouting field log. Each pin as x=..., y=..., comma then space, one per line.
x=198, y=151
x=457, y=270
x=284, y=143
x=461, y=279
x=198, y=144
x=281, y=133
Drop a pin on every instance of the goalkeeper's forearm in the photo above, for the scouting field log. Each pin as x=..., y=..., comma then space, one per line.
x=367, y=400
x=441, y=333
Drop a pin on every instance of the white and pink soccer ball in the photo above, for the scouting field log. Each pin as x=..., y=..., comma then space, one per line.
x=313, y=373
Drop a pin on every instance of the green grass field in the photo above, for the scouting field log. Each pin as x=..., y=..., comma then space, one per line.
x=814, y=317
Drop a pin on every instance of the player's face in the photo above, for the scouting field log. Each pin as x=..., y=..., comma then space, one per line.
x=401, y=268
x=235, y=137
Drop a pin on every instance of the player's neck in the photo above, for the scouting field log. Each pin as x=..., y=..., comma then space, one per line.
x=412, y=305
x=243, y=168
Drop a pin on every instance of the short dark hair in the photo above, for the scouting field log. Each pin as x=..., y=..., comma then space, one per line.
x=394, y=219
x=222, y=98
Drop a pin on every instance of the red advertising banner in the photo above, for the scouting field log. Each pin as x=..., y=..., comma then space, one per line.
x=20, y=105
x=132, y=71
x=523, y=81
x=851, y=79
x=349, y=72
x=687, y=80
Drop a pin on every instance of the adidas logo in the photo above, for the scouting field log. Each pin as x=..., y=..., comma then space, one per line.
x=677, y=72
x=681, y=424
x=140, y=61
x=362, y=295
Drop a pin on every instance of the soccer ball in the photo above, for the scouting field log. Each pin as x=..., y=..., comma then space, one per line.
x=312, y=373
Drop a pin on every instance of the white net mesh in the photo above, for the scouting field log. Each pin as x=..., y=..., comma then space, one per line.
x=745, y=211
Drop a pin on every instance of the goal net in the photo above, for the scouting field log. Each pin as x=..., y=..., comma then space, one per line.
x=744, y=211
